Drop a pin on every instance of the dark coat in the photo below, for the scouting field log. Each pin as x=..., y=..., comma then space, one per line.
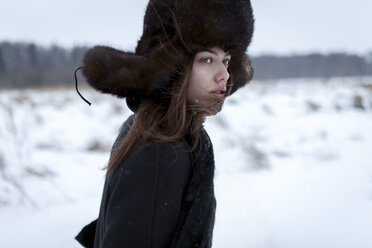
x=160, y=196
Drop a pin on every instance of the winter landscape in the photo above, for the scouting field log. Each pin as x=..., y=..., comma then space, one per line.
x=293, y=164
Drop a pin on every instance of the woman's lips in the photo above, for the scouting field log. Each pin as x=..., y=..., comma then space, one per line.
x=219, y=92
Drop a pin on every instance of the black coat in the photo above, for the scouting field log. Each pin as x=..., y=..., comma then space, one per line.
x=160, y=196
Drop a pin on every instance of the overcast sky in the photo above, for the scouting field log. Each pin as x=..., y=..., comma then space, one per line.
x=282, y=26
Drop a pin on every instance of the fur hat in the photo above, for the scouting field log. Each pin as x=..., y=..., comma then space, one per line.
x=173, y=31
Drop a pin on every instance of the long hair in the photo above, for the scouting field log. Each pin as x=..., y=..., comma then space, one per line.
x=166, y=120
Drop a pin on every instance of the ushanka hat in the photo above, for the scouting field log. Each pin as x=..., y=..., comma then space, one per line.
x=173, y=31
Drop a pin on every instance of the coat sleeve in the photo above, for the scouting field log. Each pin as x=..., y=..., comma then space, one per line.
x=86, y=235
x=144, y=197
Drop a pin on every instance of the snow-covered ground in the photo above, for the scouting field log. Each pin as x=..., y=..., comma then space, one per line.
x=293, y=164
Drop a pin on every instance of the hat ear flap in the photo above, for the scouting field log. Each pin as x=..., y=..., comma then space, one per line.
x=242, y=72
x=115, y=72
x=128, y=74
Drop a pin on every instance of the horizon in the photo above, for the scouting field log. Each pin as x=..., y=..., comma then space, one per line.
x=367, y=54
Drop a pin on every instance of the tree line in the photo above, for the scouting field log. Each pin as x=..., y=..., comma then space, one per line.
x=30, y=65
x=312, y=65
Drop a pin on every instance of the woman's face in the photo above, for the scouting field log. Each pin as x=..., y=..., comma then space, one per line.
x=209, y=76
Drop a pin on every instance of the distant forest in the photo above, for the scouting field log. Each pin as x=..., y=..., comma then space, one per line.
x=31, y=65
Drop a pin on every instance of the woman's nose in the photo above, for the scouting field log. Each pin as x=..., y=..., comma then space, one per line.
x=222, y=74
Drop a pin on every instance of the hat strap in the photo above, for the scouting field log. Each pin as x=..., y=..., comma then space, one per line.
x=76, y=85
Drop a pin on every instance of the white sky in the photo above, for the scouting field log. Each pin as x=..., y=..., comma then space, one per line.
x=282, y=26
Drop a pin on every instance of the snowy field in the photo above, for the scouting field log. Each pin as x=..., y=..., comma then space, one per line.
x=293, y=164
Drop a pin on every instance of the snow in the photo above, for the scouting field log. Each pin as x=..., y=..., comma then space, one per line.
x=293, y=164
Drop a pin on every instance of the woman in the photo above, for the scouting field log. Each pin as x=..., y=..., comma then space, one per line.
x=159, y=186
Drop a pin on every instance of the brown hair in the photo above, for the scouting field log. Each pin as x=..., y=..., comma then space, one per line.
x=167, y=120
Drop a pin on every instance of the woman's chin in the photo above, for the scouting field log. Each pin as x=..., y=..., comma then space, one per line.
x=208, y=99
x=209, y=105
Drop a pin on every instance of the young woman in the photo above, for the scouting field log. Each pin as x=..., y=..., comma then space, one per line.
x=158, y=190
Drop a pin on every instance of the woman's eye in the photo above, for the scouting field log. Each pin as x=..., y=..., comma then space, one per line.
x=206, y=60
x=226, y=62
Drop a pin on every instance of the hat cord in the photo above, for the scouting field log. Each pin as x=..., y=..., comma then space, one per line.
x=76, y=85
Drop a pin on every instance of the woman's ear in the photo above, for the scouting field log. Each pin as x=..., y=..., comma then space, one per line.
x=166, y=63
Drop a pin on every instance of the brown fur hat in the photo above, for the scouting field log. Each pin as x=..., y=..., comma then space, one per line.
x=173, y=31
